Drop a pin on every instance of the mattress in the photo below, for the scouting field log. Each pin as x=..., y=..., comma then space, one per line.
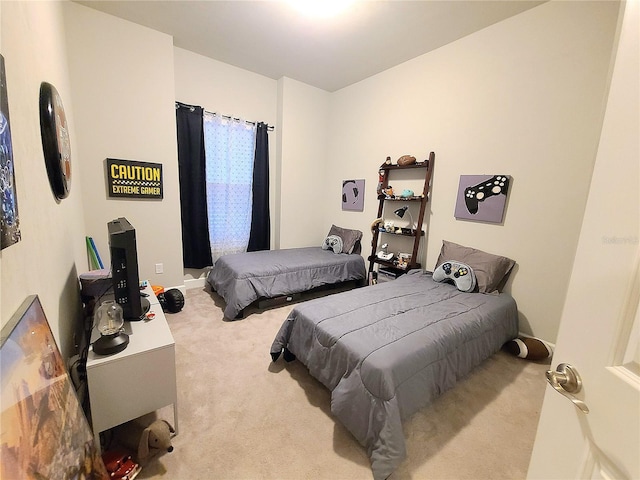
x=242, y=278
x=387, y=350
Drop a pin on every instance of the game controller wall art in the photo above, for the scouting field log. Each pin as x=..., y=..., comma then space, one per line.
x=482, y=197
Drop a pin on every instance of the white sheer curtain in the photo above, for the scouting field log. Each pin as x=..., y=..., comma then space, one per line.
x=229, y=151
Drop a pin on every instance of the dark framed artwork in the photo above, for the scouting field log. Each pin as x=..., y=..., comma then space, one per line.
x=45, y=433
x=482, y=197
x=55, y=140
x=353, y=195
x=9, y=218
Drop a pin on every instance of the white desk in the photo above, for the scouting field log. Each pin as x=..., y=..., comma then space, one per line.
x=138, y=380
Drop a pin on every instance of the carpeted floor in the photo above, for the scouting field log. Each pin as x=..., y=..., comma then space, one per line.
x=243, y=417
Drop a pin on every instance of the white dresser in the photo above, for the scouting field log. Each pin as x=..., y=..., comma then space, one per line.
x=138, y=380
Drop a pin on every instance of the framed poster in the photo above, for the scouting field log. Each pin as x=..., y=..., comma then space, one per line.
x=9, y=219
x=132, y=179
x=45, y=433
x=353, y=195
x=482, y=197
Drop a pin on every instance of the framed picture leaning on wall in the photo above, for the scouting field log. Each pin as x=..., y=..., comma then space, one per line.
x=45, y=433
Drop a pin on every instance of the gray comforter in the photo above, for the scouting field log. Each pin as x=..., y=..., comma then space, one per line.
x=242, y=278
x=387, y=350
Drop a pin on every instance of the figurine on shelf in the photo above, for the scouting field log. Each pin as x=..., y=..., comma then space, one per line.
x=388, y=192
x=403, y=260
x=381, y=173
x=406, y=193
x=384, y=254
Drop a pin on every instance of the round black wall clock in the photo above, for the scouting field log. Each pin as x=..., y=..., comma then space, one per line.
x=55, y=140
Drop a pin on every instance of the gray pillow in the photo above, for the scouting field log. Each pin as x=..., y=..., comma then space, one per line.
x=492, y=271
x=349, y=237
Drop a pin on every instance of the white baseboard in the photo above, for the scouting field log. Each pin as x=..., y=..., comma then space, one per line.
x=194, y=283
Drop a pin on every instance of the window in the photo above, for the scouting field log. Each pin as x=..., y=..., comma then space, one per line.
x=229, y=152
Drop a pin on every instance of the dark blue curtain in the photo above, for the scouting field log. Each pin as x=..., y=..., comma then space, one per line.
x=259, y=238
x=196, y=250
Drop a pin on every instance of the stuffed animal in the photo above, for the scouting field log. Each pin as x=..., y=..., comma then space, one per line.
x=375, y=224
x=149, y=441
x=155, y=439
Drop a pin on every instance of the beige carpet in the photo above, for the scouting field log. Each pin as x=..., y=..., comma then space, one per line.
x=243, y=417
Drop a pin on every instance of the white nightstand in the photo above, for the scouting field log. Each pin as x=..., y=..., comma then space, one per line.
x=139, y=380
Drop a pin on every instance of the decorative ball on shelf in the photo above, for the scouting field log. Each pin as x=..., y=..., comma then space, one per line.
x=406, y=160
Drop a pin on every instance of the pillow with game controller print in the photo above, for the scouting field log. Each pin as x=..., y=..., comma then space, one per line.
x=460, y=274
x=333, y=242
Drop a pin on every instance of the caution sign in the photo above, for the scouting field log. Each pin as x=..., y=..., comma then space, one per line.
x=128, y=178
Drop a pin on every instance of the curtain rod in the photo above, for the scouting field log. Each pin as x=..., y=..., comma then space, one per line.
x=270, y=128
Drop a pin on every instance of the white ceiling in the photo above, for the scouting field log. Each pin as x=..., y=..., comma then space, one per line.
x=274, y=39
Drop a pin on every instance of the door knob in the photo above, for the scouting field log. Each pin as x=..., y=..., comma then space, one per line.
x=566, y=380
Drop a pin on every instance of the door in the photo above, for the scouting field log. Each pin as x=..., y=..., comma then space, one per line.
x=599, y=331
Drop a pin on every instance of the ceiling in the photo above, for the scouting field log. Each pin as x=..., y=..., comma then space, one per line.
x=274, y=39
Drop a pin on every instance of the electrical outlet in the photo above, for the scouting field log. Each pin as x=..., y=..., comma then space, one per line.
x=159, y=268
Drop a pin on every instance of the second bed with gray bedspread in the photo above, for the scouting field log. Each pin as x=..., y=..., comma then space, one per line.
x=388, y=350
x=242, y=278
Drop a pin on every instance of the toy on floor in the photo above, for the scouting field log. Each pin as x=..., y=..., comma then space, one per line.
x=170, y=300
x=530, y=348
x=148, y=441
x=120, y=465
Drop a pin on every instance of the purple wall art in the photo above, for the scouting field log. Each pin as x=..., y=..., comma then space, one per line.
x=482, y=197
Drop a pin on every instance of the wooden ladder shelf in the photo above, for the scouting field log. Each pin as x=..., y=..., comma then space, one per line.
x=386, y=171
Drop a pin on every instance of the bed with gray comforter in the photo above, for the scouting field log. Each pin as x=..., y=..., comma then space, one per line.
x=387, y=350
x=242, y=278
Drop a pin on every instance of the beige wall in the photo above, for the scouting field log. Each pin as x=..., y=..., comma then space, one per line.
x=52, y=252
x=123, y=84
x=508, y=99
x=303, y=120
